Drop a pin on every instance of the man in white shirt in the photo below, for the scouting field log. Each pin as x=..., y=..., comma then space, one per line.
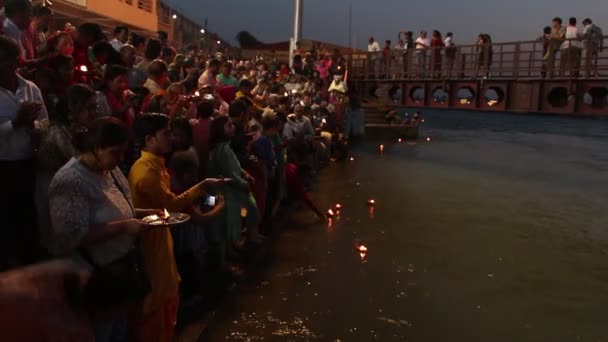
x=374, y=51
x=21, y=112
x=121, y=35
x=450, y=53
x=298, y=126
x=158, y=75
x=570, y=50
x=18, y=18
x=422, y=44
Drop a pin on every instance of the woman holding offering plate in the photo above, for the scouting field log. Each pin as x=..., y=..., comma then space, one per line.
x=154, y=319
x=92, y=213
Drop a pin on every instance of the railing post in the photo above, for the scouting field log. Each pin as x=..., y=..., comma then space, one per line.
x=500, y=60
x=516, y=56
x=532, y=59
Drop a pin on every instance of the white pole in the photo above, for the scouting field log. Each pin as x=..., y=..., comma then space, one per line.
x=298, y=13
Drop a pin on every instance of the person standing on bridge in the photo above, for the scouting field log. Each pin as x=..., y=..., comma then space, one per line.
x=422, y=44
x=436, y=45
x=570, y=51
x=594, y=44
x=374, y=48
x=450, y=54
x=557, y=36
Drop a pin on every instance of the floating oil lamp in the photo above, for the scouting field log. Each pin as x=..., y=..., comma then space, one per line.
x=84, y=68
x=428, y=139
x=352, y=159
x=338, y=206
x=381, y=148
x=400, y=140
x=361, y=248
x=330, y=213
x=371, y=202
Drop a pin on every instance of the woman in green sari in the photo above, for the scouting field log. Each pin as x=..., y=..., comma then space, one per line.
x=239, y=201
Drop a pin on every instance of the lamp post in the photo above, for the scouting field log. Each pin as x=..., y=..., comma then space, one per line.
x=297, y=28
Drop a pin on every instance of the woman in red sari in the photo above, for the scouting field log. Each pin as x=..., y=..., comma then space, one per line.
x=115, y=98
x=436, y=45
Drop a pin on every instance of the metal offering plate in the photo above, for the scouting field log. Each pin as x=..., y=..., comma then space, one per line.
x=172, y=220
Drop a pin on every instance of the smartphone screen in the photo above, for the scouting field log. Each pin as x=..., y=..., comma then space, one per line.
x=210, y=201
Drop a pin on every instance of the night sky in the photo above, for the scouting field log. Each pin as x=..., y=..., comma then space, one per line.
x=506, y=20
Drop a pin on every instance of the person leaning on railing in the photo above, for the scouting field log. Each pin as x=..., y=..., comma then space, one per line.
x=557, y=36
x=594, y=43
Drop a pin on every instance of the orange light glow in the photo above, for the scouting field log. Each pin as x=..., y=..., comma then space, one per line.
x=429, y=139
x=338, y=206
x=381, y=148
x=84, y=68
x=362, y=249
x=166, y=214
x=400, y=140
x=371, y=202
x=330, y=213
x=352, y=159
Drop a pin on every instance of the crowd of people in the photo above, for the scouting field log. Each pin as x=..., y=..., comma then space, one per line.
x=436, y=57
x=98, y=132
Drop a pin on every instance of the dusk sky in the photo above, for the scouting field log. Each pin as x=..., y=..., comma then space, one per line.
x=504, y=20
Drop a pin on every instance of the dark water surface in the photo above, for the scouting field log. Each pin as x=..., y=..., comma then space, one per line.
x=494, y=231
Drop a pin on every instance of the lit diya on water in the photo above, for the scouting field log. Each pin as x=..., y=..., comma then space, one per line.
x=362, y=250
x=371, y=202
x=428, y=139
x=166, y=219
x=330, y=213
x=381, y=148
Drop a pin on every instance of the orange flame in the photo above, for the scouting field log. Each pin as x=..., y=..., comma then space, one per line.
x=166, y=214
x=362, y=249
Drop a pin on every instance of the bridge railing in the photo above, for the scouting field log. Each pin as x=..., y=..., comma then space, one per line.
x=512, y=60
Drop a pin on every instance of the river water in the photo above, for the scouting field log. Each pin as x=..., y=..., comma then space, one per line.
x=496, y=230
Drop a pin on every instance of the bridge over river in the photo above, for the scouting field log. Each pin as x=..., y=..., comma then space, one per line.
x=513, y=76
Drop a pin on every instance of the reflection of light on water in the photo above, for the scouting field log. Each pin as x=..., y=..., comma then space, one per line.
x=298, y=271
x=363, y=257
x=395, y=322
x=371, y=212
x=251, y=328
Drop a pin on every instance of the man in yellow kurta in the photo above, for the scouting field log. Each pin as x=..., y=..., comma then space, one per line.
x=155, y=318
